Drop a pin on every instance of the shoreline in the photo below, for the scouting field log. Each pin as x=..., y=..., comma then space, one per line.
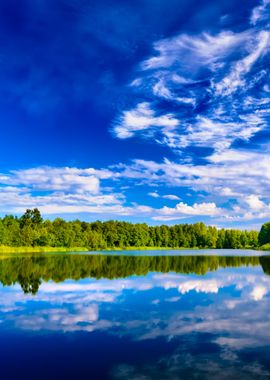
x=43, y=249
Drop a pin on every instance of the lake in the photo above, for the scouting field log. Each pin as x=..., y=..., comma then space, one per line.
x=135, y=315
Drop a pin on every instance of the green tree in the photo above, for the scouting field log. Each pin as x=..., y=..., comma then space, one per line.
x=264, y=234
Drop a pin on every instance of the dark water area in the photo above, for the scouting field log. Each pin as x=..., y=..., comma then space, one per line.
x=89, y=316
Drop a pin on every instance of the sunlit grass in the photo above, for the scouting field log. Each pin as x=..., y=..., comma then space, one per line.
x=8, y=249
x=5, y=249
x=265, y=247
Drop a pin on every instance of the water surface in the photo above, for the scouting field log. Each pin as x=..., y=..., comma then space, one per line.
x=181, y=252
x=134, y=317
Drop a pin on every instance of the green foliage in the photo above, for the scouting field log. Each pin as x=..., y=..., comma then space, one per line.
x=40, y=249
x=265, y=247
x=264, y=235
x=30, y=230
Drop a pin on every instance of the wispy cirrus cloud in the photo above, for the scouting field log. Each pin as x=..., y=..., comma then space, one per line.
x=230, y=173
x=260, y=13
x=214, y=86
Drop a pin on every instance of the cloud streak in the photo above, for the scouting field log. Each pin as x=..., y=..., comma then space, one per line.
x=213, y=86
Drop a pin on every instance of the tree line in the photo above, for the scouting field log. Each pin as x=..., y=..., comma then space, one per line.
x=31, y=230
x=30, y=271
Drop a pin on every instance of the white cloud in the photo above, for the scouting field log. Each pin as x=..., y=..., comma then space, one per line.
x=200, y=286
x=57, y=179
x=259, y=292
x=215, y=85
x=154, y=194
x=243, y=176
x=235, y=79
x=230, y=169
x=172, y=197
x=58, y=202
x=78, y=199
x=254, y=202
x=203, y=49
x=182, y=209
x=161, y=90
x=142, y=118
x=260, y=13
x=215, y=133
x=59, y=190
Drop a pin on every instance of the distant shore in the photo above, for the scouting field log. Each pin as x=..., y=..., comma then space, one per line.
x=8, y=249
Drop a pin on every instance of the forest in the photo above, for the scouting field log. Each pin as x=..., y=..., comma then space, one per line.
x=31, y=230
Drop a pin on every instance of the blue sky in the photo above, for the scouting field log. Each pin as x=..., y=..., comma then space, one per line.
x=153, y=111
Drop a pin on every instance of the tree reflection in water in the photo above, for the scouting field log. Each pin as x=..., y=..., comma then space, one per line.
x=30, y=271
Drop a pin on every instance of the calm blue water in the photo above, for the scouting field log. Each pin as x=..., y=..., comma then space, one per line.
x=116, y=317
x=186, y=252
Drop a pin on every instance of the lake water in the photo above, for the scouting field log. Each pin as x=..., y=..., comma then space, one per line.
x=186, y=316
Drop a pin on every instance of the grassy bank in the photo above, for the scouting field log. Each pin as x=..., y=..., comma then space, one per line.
x=5, y=249
x=265, y=247
x=8, y=249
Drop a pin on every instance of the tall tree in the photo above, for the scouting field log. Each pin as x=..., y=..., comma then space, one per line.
x=264, y=235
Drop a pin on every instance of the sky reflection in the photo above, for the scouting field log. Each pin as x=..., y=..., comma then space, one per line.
x=218, y=319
